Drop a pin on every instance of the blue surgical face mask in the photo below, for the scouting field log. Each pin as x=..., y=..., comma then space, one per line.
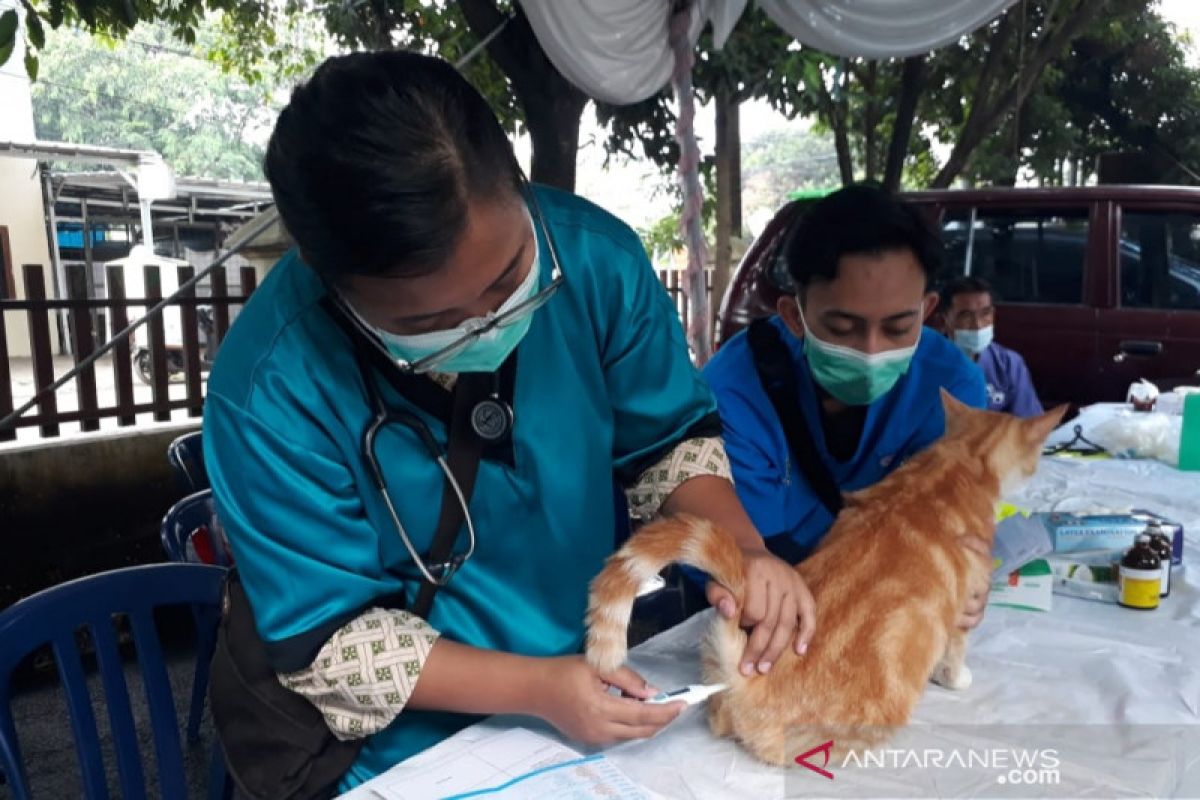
x=973, y=342
x=852, y=376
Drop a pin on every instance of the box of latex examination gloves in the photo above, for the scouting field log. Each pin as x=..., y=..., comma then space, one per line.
x=1072, y=533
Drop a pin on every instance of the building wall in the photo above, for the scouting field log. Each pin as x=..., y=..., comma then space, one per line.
x=76, y=506
x=21, y=208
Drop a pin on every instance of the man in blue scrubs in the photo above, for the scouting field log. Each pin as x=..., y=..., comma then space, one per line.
x=867, y=373
x=969, y=314
x=408, y=208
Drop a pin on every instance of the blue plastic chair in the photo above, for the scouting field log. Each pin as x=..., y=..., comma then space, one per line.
x=180, y=523
x=183, y=519
x=53, y=616
x=186, y=457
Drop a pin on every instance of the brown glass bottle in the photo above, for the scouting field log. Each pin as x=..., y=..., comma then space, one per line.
x=1161, y=543
x=1140, y=576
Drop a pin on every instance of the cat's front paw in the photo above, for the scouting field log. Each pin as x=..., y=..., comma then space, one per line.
x=958, y=680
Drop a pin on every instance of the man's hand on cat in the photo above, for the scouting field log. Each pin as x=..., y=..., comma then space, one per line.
x=972, y=613
x=576, y=701
x=777, y=603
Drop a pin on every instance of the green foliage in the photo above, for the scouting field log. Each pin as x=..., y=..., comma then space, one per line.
x=114, y=19
x=437, y=27
x=150, y=93
x=8, y=34
x=664, y=236
x=1123, y=84
x=782, y=161
x=642, y=130
x=270, y=40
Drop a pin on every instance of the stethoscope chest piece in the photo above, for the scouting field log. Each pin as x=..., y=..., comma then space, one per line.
x=492, y=419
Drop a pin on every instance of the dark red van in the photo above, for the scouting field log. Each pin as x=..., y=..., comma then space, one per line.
x=1096, y=286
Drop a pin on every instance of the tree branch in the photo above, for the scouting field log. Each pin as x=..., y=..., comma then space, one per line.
x=983, y=119
x=991, y=63
x=483, y=17
x=841, y=140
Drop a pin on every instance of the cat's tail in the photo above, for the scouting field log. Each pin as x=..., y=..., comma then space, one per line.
x=680, y=539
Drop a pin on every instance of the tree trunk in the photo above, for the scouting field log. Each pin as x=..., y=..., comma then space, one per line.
x=841, y=143
x=870, y=84
x=728, y=150
x=985, y=115
x=552, y=104
x=553, y=120
x=912, y=81
x=380, y=26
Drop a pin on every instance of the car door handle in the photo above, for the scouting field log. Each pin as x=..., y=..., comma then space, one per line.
x=1137, y=347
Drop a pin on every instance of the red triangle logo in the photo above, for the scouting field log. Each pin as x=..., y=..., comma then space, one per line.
x=802, y=759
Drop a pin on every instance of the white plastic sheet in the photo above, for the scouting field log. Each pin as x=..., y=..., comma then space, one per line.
x=617, y=50
x=1115, y=693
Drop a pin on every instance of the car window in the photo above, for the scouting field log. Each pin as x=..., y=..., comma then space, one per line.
x=1160, y=260
x=1027, y=255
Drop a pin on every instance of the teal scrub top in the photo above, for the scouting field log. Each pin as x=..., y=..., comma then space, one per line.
x=603, y=385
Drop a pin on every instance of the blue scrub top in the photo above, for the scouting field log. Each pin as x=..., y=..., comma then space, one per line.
x=904, y=421
x=1009, y=384
x=604, y=383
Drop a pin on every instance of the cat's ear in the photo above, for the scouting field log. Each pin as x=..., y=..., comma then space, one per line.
x=1039, y=427
x=956, y=411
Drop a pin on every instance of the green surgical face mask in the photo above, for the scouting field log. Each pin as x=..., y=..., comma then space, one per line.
x=852, y=376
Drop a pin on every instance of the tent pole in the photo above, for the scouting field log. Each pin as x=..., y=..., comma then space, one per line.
x=691, y=220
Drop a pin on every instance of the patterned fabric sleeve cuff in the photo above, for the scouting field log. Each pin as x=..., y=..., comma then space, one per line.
x=363, y=676
x=689, y=459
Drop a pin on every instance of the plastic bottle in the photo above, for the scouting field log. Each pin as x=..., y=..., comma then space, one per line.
x=1189, y=442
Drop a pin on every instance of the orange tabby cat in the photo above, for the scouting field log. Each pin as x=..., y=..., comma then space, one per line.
x=889, y=580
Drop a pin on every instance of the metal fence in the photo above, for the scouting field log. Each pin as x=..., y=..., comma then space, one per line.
x=673, y=281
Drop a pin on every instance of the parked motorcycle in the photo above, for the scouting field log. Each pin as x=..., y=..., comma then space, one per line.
x=143, y=363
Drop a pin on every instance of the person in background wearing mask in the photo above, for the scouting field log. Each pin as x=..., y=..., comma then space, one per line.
x=866, y=374
x=415, y=227
x=968, y=314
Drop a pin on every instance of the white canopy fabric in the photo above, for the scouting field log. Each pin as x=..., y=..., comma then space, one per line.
x=881, y=28
x=618, y=50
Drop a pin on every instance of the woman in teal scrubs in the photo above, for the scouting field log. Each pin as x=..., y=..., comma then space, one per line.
x=407, y=205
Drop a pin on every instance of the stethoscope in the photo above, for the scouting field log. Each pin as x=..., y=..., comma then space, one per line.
x=440, y=573
x=491, y=419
